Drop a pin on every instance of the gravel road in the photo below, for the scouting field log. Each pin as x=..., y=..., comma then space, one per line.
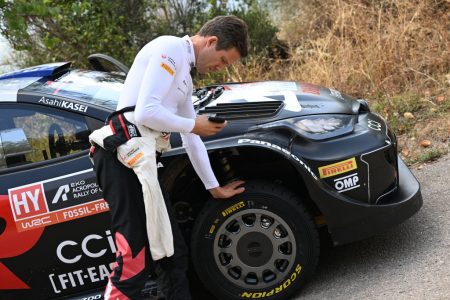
x=411, y=261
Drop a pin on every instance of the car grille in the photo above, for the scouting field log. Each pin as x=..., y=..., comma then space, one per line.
x=244, y=110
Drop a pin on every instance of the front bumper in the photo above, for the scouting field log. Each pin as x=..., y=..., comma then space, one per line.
x=349, y=221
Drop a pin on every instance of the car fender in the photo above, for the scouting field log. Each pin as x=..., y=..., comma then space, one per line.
x=309, y=177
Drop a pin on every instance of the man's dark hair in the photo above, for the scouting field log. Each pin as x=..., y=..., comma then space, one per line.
x=231, y=32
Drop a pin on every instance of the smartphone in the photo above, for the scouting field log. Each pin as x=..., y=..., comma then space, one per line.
x=216, y=119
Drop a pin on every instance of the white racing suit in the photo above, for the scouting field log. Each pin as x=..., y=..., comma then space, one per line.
x=139, y=154
x=160, y=86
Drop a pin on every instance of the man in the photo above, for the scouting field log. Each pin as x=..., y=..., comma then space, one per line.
x=159, y=87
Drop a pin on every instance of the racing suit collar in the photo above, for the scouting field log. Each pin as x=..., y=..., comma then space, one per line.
x=190, y=51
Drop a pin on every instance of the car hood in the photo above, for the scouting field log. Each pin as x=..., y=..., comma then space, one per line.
x=272, y=100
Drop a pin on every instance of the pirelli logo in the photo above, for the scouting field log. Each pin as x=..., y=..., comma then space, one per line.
x=168, y=69
x=233, y=208
x=338, y=168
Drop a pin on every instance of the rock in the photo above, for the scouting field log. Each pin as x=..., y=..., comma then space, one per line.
x=425, y=143
x=408, y=115
x=405, y=152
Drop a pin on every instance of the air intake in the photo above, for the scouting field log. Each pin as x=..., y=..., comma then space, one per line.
x=244, y=110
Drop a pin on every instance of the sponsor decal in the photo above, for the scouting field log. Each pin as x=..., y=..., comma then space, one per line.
x=284, y=285
x=27, y=201
x=311, y=106
x=347, y=183
x=169, y=59
x=133, y=156
x=282, y=150
x=63, y=104
x=336, y=94
x=310, y=88
x=71, y=252
x=213, y=226
x=168, y=69
x=135, y=159
x=338, y=168
x=233, y=208
x=132, y=130
x=93, y=297
x=92, y=245
x=56, y=200
x=374, y=125
x=81, y=277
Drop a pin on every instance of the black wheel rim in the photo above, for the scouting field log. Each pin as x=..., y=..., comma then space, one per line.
x=255, y=249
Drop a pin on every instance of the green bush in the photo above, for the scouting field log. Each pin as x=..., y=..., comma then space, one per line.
x=56, y=30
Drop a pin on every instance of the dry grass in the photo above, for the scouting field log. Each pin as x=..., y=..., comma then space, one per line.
x=363, y=47
x=394, y=53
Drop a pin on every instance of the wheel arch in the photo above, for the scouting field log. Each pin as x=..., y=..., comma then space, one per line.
x=239, y=162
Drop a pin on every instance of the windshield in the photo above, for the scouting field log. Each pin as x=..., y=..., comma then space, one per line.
x=91, y=86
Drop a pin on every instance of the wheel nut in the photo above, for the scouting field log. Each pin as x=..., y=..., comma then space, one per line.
x=277, y=233
x=265, y=223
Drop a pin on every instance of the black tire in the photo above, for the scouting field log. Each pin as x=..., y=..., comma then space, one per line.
x=259, y=244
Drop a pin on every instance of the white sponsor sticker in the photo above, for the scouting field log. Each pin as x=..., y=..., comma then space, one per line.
x=282, y=150
x=347, y=183
x=63, y=104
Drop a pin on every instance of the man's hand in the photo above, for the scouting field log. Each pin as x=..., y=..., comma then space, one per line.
x=228, y=191
x=203, y=127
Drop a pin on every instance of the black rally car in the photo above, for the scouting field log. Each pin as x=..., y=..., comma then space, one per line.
x=313, y=160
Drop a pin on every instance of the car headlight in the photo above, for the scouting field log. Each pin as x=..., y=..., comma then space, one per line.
x=316, y=127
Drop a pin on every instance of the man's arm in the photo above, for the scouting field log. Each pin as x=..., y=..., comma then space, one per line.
x=199, y=157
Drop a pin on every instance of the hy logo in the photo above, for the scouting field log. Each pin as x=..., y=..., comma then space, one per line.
x=61, y=193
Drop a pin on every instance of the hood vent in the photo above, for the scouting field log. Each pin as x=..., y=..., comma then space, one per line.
x=244, y=110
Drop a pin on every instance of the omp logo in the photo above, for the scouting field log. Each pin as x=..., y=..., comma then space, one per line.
x=347, y=183
x=61, y=194
x=27, y=201
x=338, y=168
